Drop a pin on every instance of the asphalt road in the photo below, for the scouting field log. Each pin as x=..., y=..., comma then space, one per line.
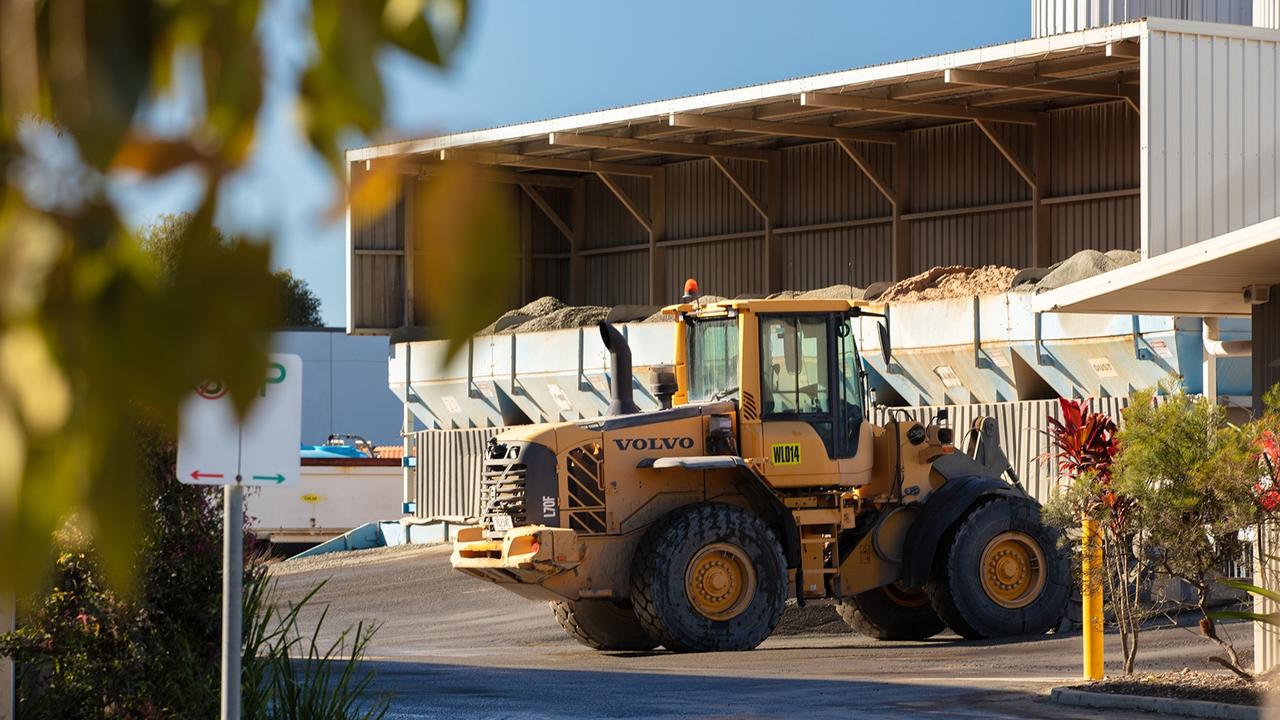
x=451, y=646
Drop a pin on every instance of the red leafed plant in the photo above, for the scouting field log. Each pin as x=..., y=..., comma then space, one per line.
x=1086, y=446
x=1267, y=492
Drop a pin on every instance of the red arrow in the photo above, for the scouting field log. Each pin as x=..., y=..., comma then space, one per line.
x=196, y=475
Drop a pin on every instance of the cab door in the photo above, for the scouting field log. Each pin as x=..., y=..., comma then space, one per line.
x=801, y=394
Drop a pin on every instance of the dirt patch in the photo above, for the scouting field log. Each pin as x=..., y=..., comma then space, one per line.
x=1187, y=685
x=951, y=281
x=812, y=619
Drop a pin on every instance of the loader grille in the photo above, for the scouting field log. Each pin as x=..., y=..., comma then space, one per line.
x=586, y=491
x=503, y=483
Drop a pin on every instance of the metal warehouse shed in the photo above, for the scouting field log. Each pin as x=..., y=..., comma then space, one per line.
x=1150, y=134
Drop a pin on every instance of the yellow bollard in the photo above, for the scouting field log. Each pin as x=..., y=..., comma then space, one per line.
x=1091, y=596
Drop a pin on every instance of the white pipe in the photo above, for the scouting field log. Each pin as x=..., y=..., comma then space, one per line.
x=406, y=433
x=1215, y=347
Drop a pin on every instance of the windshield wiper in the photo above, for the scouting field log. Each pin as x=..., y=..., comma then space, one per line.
x=725, y=393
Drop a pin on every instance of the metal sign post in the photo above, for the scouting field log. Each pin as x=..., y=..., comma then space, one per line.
x=232, y=596
x=214, y=448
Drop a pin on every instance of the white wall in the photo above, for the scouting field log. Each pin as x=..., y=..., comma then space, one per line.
x=1209, y=131
x=1052, y=17
x=344, y=385
x=327, y=498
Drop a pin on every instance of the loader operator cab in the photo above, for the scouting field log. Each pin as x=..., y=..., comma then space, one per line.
x=803, y=367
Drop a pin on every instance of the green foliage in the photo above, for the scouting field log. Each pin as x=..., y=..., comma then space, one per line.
x=1193, y=475
x=162, y=241
x=289, y=675
x=84, y=650
x=91, y=341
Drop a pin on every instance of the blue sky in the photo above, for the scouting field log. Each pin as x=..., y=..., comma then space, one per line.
x=524, y=60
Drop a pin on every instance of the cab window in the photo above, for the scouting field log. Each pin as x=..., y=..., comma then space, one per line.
x=795, y=365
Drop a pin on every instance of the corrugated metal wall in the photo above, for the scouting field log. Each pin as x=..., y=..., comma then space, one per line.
x=617, y=278
x=702, y=202
x=857, y=256
x=1266, y=14
x=609, y=224
x=1000, y=238
x=728, y=268
x=955, y=166
x=1209, y=136
x=1051, y=17
x=820, y=184
x=376, y=296
x=448, y=472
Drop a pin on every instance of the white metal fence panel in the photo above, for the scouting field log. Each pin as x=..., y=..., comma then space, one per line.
x=1023, y=433
x=448, y=471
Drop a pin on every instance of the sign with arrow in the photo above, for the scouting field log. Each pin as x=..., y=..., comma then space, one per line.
x=215, y=449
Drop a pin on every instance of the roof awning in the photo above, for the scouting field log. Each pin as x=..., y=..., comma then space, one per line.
x=1205, y=279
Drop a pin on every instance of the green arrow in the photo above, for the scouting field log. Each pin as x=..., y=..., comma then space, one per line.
x=277, y=479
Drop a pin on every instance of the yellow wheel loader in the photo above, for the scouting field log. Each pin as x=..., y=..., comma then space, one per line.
x=690, y=526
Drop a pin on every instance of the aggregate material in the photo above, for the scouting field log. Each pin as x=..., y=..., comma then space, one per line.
x=951, y=281
x=938, y=283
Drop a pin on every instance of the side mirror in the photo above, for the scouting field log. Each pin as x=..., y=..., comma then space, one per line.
x=886, y=350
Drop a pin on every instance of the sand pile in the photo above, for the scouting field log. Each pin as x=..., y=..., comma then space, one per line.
x=833, y=292
x=952, y=281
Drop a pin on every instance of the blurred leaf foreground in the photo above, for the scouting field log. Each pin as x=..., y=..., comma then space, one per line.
x=94, y=339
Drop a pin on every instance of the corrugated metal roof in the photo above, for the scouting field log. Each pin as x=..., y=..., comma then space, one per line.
x=992, y=56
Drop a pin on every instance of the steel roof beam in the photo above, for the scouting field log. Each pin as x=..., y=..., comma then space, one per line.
x=937, y=110
x=657, y=147
x=1096, y=88
x=819, y=132
x=545, y=163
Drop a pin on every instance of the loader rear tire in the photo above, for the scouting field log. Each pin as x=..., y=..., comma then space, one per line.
x=887, y=613
x=1001, y=573
x=602, y=625
x=709, y=577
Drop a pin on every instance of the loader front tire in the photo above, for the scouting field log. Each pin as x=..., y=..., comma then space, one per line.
x=709, y=577
x=602, y=625
x=887, y=613
x=1001, y=573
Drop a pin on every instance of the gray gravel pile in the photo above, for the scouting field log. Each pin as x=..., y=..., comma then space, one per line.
x=1084, y=264
x=572, y=316
x=512, y=319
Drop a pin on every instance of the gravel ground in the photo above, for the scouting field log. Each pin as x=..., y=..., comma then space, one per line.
x=1187, y=685
x=449, y=645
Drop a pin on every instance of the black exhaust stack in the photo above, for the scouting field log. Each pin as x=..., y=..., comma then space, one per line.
x=620, y=375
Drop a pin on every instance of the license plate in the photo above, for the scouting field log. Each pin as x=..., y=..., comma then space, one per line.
x=501, y=523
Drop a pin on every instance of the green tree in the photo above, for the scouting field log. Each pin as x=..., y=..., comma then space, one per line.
x=162, y=240
x=92, y=342
x=1193, y=474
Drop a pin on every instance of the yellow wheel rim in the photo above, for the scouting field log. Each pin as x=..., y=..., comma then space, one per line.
x=1013, y=569
x=720, y=581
